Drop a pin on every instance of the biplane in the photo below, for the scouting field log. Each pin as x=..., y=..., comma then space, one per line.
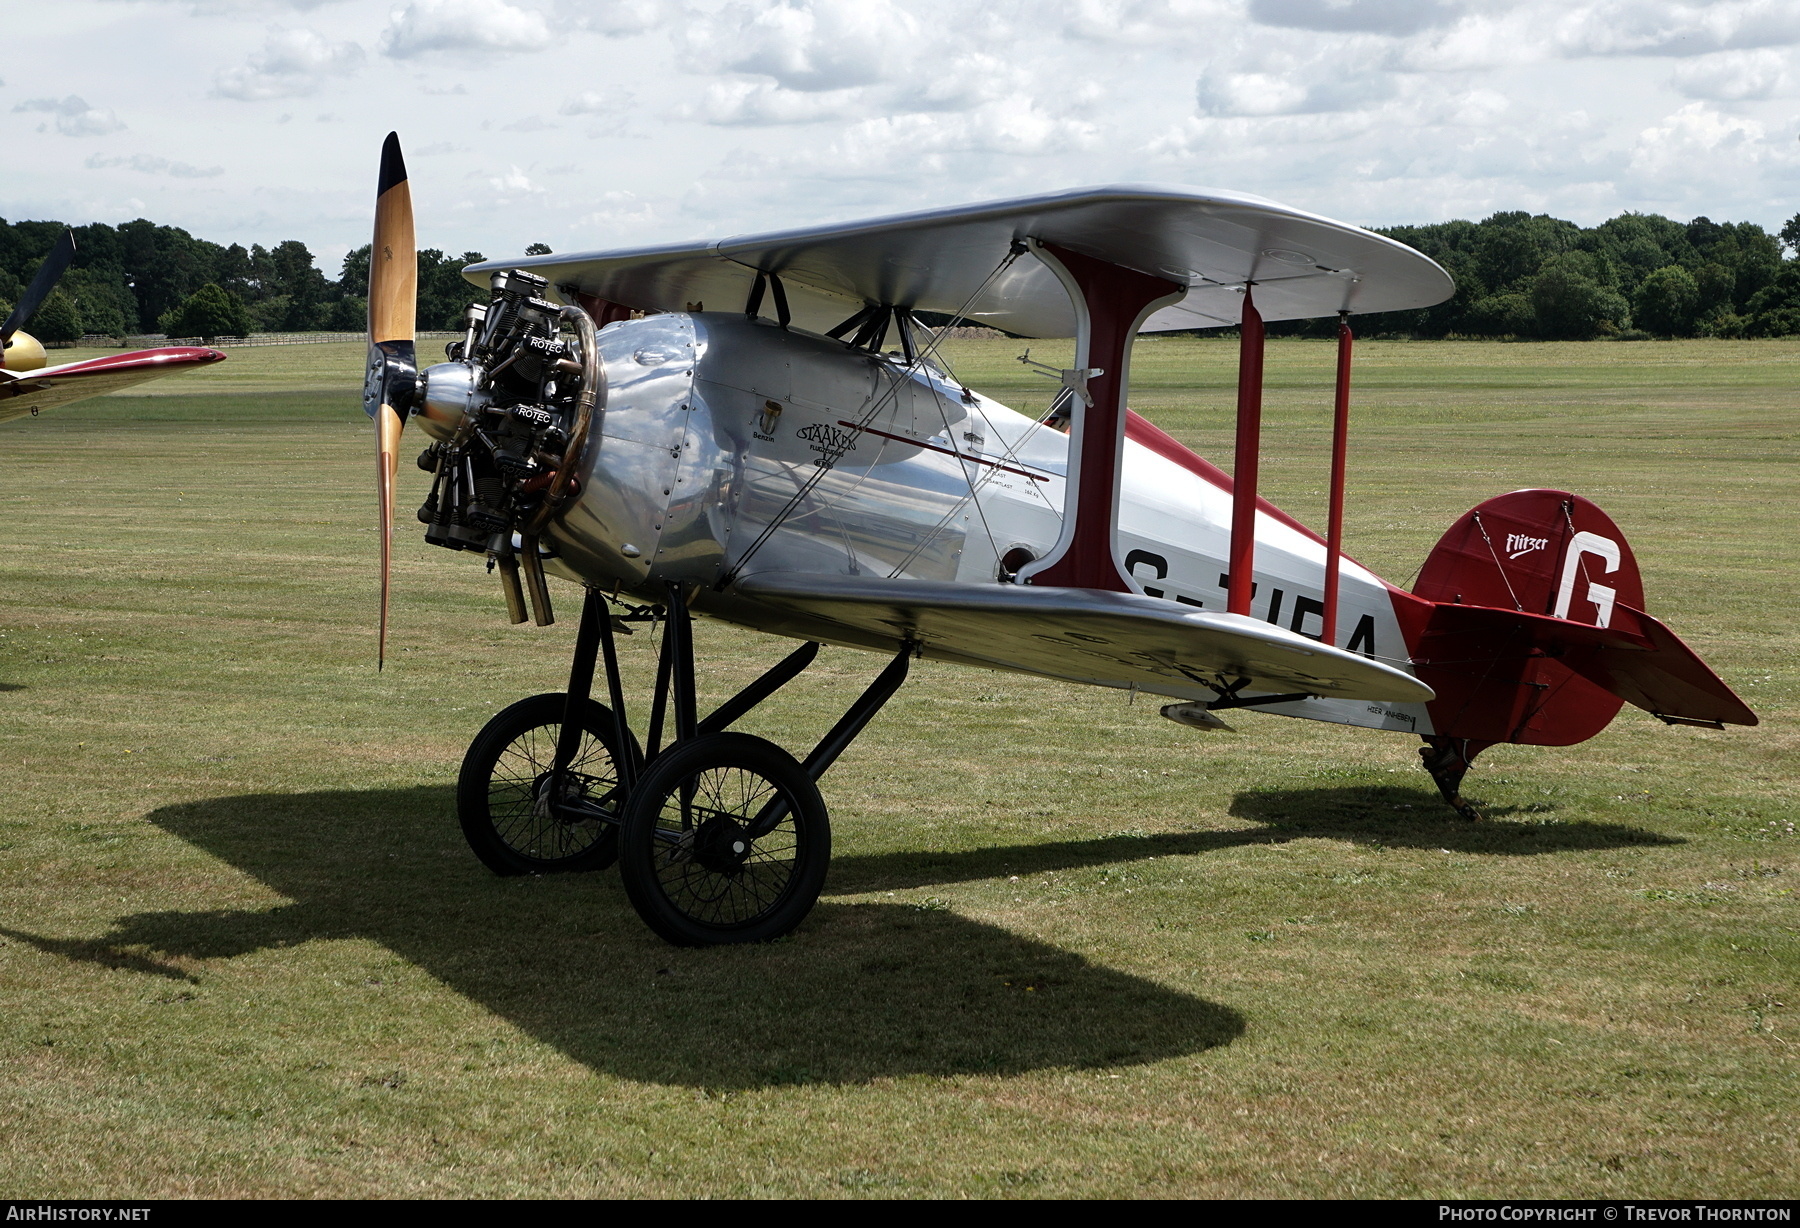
x=758, y=430
x=29, y=385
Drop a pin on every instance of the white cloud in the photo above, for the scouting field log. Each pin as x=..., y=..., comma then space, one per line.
x=613, y=101
x=1479, y=42
x=1287, y=93
x=618, y=210
x=149, y=165
x=1393, y=17
x=234, y=8
x=1252, y=93
x=74, y=117
x=1157, y=22
x=923, y=143
x=845, y=61
x=1656, y=27
x=739, y=101
x=463, y=25
x=970, y=79
x=513, y=181
x=616, y=18
x=808, y=45
x=1698, y=140
x=721, y=116
x=291, y=64
x=1257, y=80
x=1731, y=76
x=531, y=123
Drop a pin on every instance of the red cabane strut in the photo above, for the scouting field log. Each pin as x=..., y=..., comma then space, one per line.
x=1111, y=303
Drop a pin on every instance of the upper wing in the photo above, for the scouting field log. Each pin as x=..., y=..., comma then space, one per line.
x=1213, y=242
x=1082, y=635
x=30, y=391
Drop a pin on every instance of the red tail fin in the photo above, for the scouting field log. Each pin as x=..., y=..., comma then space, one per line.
x=1538, y=633
x=1542, y=551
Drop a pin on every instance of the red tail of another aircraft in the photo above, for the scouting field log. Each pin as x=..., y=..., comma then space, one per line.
x=1531, y=628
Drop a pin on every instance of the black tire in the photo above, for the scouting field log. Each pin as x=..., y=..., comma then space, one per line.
x=690, y=875
x=504, y=779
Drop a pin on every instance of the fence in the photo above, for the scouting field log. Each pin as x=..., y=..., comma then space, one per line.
x=140, y=341
x=969, y=332
x=151, y=340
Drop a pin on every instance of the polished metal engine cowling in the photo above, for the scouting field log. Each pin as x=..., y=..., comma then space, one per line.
x=450, y=393
x=705, y=461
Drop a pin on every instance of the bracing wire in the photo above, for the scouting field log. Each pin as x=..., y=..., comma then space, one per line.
x=968, y=474
x=1010, y=454
x=975, y=488
x=1497, y=563
x=833, y=454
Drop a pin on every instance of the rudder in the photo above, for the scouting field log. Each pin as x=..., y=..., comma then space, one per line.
x=1535, y=633
x=1544, y=552
x=1541, y=551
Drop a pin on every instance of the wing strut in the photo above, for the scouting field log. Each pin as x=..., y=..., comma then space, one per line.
x=1242, y=581
x=1111, y=302
x=1340, y=444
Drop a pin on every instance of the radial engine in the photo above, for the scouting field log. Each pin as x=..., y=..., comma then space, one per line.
x=508, y=415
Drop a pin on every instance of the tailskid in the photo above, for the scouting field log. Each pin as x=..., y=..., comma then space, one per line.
x=1448, y=760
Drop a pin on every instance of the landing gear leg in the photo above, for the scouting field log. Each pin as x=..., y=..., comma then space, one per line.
x=720, y=837
x=1448, y=759
x=544, y=784
x=725, y=838
x=594, y=634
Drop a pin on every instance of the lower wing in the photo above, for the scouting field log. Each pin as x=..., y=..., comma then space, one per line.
x=1082, y=635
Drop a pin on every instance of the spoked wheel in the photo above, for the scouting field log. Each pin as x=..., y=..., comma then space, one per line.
x=692, y=859
x=505, y=797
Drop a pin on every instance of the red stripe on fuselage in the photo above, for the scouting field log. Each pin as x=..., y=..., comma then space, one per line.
x=1141, y=430
x=1411, y=612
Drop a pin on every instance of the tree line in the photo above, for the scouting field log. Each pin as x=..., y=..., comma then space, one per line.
x=139, y=278
x=1637, y=275
x=1518, y=275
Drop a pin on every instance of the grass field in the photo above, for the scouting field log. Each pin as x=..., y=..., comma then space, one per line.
x=1066, y=948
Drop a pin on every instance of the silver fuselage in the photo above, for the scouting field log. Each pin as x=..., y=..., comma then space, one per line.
x=712, y=431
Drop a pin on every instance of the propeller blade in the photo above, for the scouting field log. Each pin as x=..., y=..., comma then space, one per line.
x=393, y=263
x=387, y=459
x=48, y=274
x=393, y=371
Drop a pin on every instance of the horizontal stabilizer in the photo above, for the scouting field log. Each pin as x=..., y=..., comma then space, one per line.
x=1636, y=658
x=49, y=387
x=1079, y=634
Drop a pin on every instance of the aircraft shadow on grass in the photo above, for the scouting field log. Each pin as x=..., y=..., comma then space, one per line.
x=1386, y=815
x=863, y=990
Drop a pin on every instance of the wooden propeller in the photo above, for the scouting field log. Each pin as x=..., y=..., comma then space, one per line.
x=393, y=371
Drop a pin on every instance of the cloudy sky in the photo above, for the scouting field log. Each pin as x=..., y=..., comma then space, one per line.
x=600, y=123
